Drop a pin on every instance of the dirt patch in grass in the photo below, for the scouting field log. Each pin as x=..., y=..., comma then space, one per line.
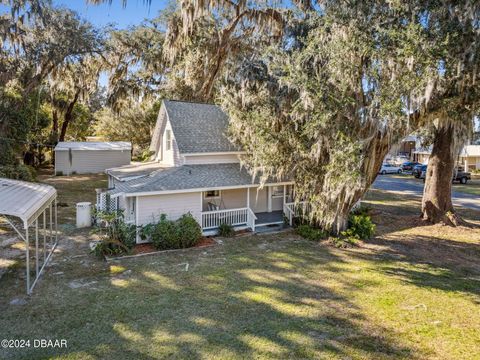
x=150, y=248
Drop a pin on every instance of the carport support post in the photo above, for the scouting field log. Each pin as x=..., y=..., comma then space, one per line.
x=27, y=259
x=51, y=229
x=44, y=235
x=36, y=247
x=56, y=222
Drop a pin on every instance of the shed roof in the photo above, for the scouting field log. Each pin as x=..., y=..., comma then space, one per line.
x=87, y=145
x=199, y=128
x=24, y=199
x=190, y=177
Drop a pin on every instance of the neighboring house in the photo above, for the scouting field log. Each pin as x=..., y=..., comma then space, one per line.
x=196, y=169
x=90, y=157
x=469, y=157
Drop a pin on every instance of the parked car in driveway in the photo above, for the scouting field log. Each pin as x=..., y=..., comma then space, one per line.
x=417, y=170
x=390, y=169
x=409, y=165
x=458, y=175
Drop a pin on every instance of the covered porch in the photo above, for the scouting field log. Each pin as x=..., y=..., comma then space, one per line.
x=245, y=208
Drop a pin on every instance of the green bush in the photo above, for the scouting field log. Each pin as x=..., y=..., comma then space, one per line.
x=226, y=230
x=359, y=227
x=18, y=172
x=183, y=233
x=189, y=231
x=165, y=234
x=119, y=237
x=310, y=233
x=344, y=242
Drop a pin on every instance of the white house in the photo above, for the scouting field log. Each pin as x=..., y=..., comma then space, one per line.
x=90, y=157
x=469, y=157
x=196, y=169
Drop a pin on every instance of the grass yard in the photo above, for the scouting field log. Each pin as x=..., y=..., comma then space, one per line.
x=413, y=292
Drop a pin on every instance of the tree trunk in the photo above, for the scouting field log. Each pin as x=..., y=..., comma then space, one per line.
x=68, y=117
x=437, y=195
x=377, y=149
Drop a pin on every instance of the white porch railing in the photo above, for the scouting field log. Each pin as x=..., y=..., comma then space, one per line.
x=234, y=217
x=251, y=219
x=291, y=210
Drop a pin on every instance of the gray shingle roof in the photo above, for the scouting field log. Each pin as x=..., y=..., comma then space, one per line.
x=199, y=128
x=188, y=177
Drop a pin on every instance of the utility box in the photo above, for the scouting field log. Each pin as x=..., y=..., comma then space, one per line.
x=84, y=214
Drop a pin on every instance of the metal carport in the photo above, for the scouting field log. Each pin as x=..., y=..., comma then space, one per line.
x=28, y=202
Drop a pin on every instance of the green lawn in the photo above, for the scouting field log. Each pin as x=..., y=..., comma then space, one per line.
x=413, y=292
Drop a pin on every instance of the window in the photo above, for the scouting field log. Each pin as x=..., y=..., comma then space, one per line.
x=277, y=191
x=168, y=139
x=211, y=194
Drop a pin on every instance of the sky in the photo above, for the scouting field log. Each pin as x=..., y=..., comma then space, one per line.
x=101, y=15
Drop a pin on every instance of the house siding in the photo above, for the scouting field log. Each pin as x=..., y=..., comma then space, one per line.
x=170, y=157
x=89, y=161
x=173, y=205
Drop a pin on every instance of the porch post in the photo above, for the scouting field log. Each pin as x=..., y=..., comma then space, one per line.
x=269, y=198
x=248, y=198
x=284, y=194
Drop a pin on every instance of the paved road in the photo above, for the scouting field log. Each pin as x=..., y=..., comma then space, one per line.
x=415, y=187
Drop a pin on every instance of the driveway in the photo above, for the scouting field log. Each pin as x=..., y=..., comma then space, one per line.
x=412, y=186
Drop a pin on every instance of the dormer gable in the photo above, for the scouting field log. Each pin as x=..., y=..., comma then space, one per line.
x=192, y=133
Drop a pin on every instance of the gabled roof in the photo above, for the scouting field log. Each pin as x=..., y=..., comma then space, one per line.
x=189, y=177
x=86, y=145
x=198, y=128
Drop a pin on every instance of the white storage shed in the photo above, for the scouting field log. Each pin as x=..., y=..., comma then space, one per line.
x=90, y=157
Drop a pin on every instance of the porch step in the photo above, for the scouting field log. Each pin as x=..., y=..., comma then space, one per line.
x=266, y=228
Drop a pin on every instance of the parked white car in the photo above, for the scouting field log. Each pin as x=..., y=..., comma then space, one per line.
x=390, y=169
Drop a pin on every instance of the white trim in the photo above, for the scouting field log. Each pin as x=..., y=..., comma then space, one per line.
x=215, y=153
x=149, y=193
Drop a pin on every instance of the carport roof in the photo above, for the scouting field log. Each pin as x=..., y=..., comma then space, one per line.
x=24, y=200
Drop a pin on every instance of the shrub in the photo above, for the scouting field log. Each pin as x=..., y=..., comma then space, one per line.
x=359, y=227
x=165, y=234
x=119, y=236
x=18, y=172
x=189, y=231
x=310, y=233
x=180, y=234
x=226, y=230
x=344, y=242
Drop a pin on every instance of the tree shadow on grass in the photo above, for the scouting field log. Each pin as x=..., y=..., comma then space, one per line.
x=438, y=263
x=240, y=300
